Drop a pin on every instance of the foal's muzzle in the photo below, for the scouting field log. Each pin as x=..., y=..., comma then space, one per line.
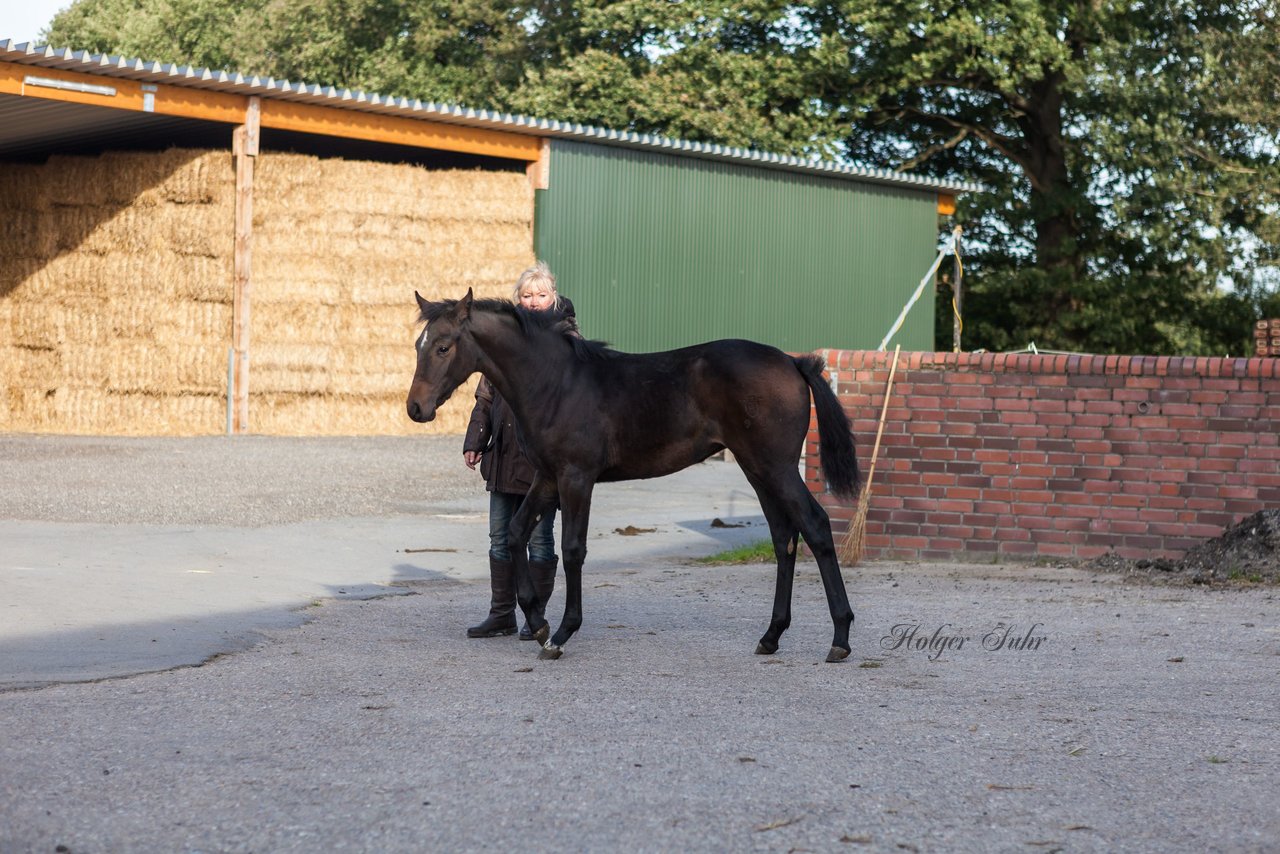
x=417, y=413
x=422, y=405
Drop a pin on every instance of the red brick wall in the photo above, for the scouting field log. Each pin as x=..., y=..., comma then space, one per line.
x=1017, y=456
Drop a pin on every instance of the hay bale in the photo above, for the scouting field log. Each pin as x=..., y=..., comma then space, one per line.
x=145, y=367
x=98, y=321
x=178, y=176
x=199, y=322
x=38, y=326
x=187, y=230
x=379, y=370
x=27, y=409
x=22, y=187
x=198, y=278
x=37, y=368
x=377, y=324
x=295, y=322
x=136, y=413
x=107, y=229
x=464, y=195
x=298, y=368
x=27, y=234
x=116, y=276
x=285, y=414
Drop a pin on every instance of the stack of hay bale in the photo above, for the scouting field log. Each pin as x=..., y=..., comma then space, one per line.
x=1266, y=337
x=117, y=289
x=339, y=249
x=115, y=293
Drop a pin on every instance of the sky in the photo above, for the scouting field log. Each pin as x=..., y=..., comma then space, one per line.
x=21, y=20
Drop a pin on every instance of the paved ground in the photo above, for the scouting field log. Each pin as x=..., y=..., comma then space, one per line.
x=1133, y=718
x=126, y=555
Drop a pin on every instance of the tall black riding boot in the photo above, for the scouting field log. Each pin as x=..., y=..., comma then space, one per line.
x=543, y=575
x=502, y=608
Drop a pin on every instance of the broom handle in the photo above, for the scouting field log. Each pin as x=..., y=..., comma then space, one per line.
x=888, y=389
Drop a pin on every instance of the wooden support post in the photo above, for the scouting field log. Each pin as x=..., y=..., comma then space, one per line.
x=244, y=152
x=539, y=171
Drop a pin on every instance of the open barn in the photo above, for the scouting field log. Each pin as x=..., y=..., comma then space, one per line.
x=192, y=251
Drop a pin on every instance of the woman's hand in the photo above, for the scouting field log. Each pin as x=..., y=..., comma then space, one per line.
x=471, y=458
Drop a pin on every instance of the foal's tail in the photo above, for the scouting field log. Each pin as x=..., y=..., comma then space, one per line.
x=835, y=436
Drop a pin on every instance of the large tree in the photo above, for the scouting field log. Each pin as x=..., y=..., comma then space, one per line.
x=1130, y=149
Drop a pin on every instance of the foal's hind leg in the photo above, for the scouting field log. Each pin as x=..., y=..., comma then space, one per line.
x=783, y=532
x=783, y=493
x=816, y=527
x=575, y=506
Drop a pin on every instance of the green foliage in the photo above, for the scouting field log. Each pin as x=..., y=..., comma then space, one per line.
x=1132, y=151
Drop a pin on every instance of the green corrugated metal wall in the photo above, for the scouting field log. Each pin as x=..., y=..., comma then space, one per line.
x=660, y=251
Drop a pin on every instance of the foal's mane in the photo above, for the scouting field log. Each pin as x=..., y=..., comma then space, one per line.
x=532, y=324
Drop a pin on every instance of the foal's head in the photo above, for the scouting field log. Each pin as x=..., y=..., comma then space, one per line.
x=446, y=355
x=448, y=351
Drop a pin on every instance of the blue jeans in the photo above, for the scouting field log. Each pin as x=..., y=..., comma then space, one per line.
x=542, y=542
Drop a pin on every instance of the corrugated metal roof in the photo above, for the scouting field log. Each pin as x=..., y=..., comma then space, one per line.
x=27, y=125
x=235, y=83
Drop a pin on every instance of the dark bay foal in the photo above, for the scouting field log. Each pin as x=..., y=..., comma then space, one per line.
x=589, y=414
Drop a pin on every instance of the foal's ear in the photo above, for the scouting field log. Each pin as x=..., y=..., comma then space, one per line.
x=463, y=311
x=424, y=306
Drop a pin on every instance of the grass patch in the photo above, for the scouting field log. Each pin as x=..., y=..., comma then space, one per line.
x=758, y=552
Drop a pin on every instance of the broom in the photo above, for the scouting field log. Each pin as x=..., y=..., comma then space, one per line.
x=855, y=537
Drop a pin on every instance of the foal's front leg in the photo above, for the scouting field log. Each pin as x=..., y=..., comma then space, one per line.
x=575, y=510
x=540, y=500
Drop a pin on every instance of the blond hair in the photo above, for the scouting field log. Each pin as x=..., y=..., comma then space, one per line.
x=537, y=276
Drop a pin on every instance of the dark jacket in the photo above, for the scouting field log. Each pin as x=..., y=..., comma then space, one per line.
x=492, y=433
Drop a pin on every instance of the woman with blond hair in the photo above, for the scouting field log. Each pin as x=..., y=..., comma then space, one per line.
x=491, y=441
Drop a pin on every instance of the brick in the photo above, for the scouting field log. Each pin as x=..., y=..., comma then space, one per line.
x=999, y=509
x=967, y=493
x=1205, y=396
x=1057, y=422
x=1038, y=472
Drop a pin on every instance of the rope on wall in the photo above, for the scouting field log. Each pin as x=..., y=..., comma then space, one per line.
x=952, y=248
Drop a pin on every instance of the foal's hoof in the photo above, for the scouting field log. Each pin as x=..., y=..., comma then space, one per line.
x=838, y=653
x=542, y=634
x=550, y=652
x=764, y=648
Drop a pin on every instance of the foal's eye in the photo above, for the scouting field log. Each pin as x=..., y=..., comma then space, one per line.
x=443, y=349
